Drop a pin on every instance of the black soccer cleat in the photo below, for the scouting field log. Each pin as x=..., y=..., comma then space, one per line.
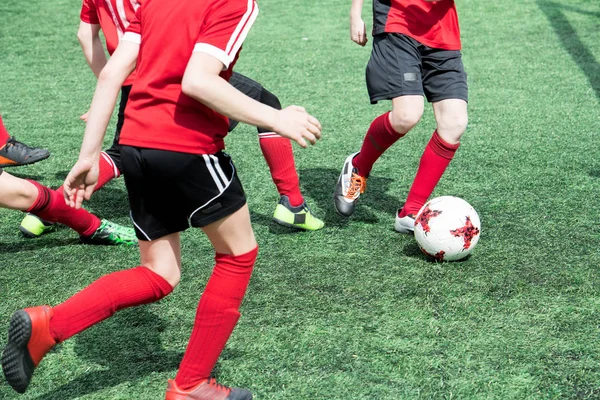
x=14, y=153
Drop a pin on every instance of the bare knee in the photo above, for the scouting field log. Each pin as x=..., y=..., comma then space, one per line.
x=404, y=119
x=452, y=126
x=170, y=273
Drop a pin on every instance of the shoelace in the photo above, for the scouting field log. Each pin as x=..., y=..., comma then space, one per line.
x=213, y=383
x=358, y=184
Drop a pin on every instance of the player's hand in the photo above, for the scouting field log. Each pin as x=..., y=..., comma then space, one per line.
x=80, y=183
x=295, y=123
x=85, y=116
x=358, y=30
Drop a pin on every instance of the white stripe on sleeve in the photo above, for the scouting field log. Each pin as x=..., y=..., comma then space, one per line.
x=132, y=37
x=215, y=52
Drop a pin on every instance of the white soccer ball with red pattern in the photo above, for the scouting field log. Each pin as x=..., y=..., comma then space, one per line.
x=447, y=228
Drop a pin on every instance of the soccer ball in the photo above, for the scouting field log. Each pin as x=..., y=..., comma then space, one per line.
x=447, y=228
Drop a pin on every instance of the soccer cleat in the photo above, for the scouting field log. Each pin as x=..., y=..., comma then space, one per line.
x=33, y=226
x=299, y=217
x=348, y=189
x=208, y=389
x=14, y=153
x=405, y=224
x=111, y=234
x=29, y=340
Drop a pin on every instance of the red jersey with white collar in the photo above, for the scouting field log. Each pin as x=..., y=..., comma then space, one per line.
x=158, y=114
x=434, y=24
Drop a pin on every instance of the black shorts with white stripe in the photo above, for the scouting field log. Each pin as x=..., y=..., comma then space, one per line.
x=169, y=191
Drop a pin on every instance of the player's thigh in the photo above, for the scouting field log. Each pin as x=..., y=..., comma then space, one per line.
x=16, y=193
x=394, y=68
x=451, y=116
x=163, y=256
x=249, y=87
x=232, y=234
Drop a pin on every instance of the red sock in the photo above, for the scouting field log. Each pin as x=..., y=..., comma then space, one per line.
x=108, y=172
x=435, y=159
x=4, y=136
x=105, y=297
x=50, y=206
x=216, y=317
x=379, y=138
x=279, y=155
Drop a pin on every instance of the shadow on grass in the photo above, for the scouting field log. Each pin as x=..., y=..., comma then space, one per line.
x=37, y=244
x=319, y=184
x=128, y=345
x=571, y=41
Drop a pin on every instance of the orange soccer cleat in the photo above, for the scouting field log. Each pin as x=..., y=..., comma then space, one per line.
x=29, y=340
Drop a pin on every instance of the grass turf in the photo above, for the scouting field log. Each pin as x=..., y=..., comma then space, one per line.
x=353, y=311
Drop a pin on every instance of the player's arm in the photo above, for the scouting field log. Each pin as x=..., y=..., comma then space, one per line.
x=358, y=29
x=82, y=179
x=202, y=82
x=91, y=44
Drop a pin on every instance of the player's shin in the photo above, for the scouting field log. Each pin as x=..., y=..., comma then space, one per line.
x=50, y=206
x=279, y=155
x=434, y=161
x=216, y=317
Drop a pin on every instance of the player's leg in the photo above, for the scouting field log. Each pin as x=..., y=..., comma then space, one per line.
x=30, y=196
x=292, y=209
x=109, y=169
x=33, y=332
x=14, y=153
x=445, y=84
x=16, y=193
x=393, y=73
x=223, y=215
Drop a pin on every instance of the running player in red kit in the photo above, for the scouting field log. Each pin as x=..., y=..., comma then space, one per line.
x=416, y=52
x=176, y=175
x=112, y=17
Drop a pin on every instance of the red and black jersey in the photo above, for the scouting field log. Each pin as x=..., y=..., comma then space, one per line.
x=434, y=24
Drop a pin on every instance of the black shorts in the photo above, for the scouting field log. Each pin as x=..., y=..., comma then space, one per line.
x=113, y=151
x=401, y=66
x=169, y=191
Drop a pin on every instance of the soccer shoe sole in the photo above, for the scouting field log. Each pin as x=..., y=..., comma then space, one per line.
x=7, y=162
x=17, y=364
x=288, y=225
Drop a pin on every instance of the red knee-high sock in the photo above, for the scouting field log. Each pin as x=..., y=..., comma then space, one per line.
x=50, y=206
x=105, y=297
x=216, y=317
x=4, y=136
x=435, y=159
x=380, y=137
x=279, y=155
x=108, y=172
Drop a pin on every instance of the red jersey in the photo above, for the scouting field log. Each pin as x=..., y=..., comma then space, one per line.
x=434, y=24
x=114, y=17
x=158, y=114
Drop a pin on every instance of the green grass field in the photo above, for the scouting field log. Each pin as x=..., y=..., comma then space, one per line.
x=353, y=311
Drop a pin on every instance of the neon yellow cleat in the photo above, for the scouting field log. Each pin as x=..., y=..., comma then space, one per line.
x=33, y=227
x=296, y=217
